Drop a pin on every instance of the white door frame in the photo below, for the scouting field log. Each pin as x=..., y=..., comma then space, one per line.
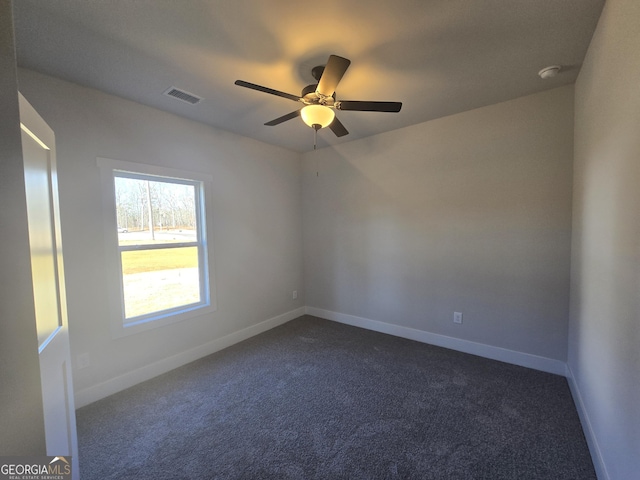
x=43, y=213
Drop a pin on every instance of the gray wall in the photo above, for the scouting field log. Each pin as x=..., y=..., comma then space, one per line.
x=21, y=415
x=255, y=220
x=468, y=213
x=604, y=335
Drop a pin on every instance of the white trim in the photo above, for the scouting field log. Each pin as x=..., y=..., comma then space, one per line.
x=119, y=327
x=146, y=168
x=592, y=442
x=528, y=360
x=129, y=379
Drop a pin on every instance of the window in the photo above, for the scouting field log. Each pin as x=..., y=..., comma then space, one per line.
x=158, y=226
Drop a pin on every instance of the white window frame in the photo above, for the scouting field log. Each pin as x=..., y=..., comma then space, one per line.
x=120, y=326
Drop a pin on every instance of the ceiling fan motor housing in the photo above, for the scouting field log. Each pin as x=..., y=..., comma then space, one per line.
x=316, y=72
x=311, y=97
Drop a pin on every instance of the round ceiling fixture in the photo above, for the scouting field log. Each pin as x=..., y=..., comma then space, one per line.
x=549, y=72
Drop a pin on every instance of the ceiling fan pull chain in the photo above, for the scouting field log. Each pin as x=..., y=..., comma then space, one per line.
x=315, y=141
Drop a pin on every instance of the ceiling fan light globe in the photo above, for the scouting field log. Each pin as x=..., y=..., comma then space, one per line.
x=317, y=115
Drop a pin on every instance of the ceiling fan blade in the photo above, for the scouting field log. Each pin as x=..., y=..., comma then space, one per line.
x=283, y=118
x=338, y=128
x=369, y=106
x=333, y=72
x=260, y=88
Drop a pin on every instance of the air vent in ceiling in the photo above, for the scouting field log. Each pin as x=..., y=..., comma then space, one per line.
x=182, y=95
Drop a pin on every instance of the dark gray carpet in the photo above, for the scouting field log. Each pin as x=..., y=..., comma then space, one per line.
x=317, y=399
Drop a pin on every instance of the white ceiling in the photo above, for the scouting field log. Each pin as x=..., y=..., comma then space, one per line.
x=438, y=57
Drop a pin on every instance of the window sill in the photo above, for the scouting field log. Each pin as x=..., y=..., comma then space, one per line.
x=160, y=320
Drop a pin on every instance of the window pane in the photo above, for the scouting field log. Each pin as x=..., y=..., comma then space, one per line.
x=160, y=279
x=170, y=206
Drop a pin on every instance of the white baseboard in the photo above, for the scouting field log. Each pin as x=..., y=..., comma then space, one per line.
x=129, y=379
x=594, y=447
x=536, y=362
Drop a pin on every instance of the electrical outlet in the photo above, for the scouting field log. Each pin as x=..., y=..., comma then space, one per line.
x=457, y=317
x=294, y=295
x=84, y=361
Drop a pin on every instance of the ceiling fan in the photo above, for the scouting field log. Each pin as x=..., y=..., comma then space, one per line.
x=320, y=99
